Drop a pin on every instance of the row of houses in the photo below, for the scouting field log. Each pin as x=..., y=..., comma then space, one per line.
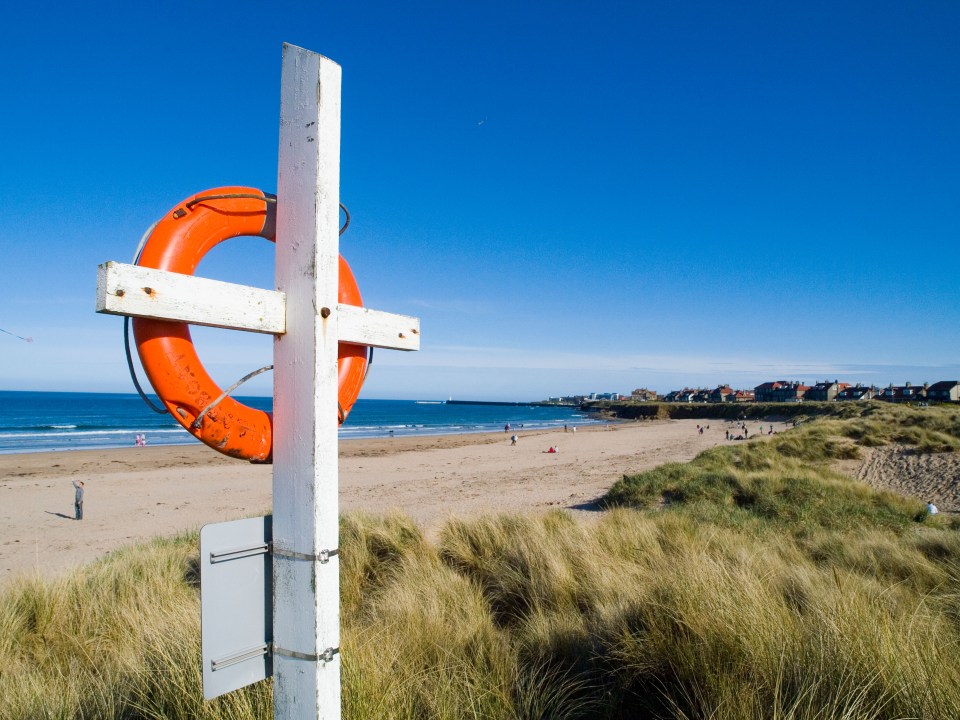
x=793, y=391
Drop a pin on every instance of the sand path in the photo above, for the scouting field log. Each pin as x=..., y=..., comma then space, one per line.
x=927, y=476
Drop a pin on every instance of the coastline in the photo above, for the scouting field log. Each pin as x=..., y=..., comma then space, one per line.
x=134, y=494
x=52, y=422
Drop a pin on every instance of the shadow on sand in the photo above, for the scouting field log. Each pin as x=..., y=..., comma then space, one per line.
x=589, y=506
x=60, y=515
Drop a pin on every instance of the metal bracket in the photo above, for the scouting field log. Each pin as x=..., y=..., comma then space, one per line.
x=325, y=656
x=240, y=552
x=248, y=654
x=322, y=557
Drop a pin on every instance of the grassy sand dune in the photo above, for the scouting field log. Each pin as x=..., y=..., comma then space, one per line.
x=753, y=582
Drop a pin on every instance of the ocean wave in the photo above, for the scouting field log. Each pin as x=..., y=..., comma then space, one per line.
x=348, y=428
x=65, y=422
x=80, y=433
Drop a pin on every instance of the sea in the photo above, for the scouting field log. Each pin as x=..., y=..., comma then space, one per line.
x=47, y=421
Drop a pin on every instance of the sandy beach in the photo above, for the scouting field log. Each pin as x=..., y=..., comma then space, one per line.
x=134, y=494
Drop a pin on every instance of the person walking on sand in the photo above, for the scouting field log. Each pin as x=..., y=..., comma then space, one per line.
x=78, y=499
x=513, y=439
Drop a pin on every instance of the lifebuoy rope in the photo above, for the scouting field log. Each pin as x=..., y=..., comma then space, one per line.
x=230, y=196
x=133, y=372
x=199, y=421
x=126, y=320
x=126, y=333
x=250, y=196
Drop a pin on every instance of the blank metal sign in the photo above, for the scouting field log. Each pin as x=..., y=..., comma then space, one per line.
x=235, y=604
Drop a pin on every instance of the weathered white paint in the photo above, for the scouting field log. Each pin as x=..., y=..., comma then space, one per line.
x=379, y=329
x=144, y=292
x=306, y=610
x=161, y=295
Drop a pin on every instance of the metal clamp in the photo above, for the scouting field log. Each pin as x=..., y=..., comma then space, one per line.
x=322, y=557
x=325, y=656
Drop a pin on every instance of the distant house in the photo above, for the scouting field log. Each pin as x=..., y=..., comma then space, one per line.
x=944, y=391
x=825, y=391
x=857, y=392
x=721, y=394
x=742, y=396
x=644, y=395
x=765, y=392
x=686, y=395
x=780, y=391
x=605, y=396
x=903, y=393
x=567, y=399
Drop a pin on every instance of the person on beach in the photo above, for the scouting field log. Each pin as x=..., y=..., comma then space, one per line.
x=78, y=499
x=513, y=439
x=931, y=508
x=506, y=428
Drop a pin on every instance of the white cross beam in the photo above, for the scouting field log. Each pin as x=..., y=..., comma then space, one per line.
x=160, y=295
x=308, y=323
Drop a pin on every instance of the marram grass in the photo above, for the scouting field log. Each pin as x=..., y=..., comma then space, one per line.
x=751, y=583
x=117, y=639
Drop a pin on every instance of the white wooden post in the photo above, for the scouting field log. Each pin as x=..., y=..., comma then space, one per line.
x=308, y=323
x=306, y=592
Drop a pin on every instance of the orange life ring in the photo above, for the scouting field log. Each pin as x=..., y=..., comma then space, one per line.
x=178, y=243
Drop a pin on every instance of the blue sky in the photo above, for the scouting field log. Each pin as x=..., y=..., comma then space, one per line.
x=573, y=197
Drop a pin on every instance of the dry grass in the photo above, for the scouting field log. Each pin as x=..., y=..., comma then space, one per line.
x=750, y=583
x=117, y=639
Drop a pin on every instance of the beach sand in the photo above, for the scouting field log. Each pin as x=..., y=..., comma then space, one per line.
x=134, y=494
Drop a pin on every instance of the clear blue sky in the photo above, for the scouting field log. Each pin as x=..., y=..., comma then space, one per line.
x=572, y=197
